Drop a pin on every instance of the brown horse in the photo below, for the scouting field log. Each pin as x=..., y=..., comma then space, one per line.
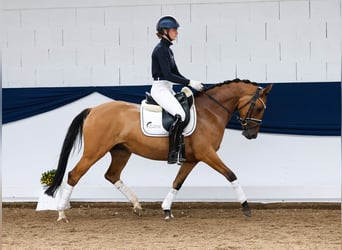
x=115, y=127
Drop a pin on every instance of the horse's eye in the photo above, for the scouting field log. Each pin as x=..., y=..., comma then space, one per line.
x=259, y=110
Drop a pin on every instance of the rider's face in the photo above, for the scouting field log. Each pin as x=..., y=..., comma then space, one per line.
x=173, y=34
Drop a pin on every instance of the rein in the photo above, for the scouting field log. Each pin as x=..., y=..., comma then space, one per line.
x=218, y=103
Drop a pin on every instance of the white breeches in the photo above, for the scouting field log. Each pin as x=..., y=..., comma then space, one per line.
x=162, y=93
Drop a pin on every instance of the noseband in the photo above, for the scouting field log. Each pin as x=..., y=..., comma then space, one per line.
x=244, y=121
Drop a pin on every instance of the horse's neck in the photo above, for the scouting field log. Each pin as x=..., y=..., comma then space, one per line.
x=227, y=96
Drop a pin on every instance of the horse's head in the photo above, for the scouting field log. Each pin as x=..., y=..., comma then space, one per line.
x=251, y=109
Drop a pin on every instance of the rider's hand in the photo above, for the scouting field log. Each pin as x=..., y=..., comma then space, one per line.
x=196, y=85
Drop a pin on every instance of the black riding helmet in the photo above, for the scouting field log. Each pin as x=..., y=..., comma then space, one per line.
x=166, y=22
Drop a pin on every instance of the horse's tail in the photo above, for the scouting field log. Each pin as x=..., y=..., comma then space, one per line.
x=74, y=131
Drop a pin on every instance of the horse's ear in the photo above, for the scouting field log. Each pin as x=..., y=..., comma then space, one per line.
x=267, y=89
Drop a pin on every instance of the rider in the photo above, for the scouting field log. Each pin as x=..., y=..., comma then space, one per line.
x=165, y=73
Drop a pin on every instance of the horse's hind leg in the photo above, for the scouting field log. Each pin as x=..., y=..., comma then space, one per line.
x=120, y=156
x=73, y=177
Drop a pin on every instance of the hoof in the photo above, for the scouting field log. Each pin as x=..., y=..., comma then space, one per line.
x=137, y=210
x=168, y=215
x=62, y=217
x=246, y=210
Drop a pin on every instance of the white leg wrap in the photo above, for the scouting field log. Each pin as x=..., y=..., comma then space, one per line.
x=65, y=198
x=166, y=205
x=238, y=191
x=126, y=192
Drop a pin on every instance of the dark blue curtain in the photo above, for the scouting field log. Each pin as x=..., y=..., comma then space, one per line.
x=292, y=108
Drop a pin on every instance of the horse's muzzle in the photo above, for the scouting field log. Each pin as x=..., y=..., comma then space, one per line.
x=250, y=133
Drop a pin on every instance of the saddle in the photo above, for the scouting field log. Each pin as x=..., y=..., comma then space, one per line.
x=155, y=121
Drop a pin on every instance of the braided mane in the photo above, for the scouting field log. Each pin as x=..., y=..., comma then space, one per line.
x=236, y=80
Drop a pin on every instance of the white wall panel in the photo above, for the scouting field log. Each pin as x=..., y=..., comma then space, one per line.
x=19, y=76
x=79, y=74
x=12, y=19
x=135, y=75
x=219, y=72
x=325, y=50
x=309, y=71
x=91, y=56
x=76, y=37
x=105, y=75
x=198, y=53
x=146, y=14
x=294, y=10
x=234, y=12
x=236, y=52
x=62, y=17
x=333, y=71
x=295, y=50
x=12, y=57
x=105, y=37
x=265, y=51
x=221, y=33
x=205, y=13
x=310, y=30
x=142, y=55
x=62, y=57
x=118, y=15
x=195, y=71
x=281, y=30
x=35, y=18
x=138, y=36
x=334, y=28
x=254, y=71
x=250, y=31
x=21, y=38
x=192, y=34
x=281, y=72
x=212, y=54
x=49, y=76
x=325, y=10
x=49, y=37
x=91, y=17
x=34, y=57
x=119, y=56
x=182, y=54
x=182, y=12
x=264, y=11
x=206, y=53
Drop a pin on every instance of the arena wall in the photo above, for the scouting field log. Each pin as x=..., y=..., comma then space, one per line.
x=54, y=43
x=108, y=43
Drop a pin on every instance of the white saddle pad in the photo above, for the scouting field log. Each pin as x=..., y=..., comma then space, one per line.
x=151, y=120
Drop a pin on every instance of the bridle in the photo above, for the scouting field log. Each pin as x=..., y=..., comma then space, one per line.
x=248, y=119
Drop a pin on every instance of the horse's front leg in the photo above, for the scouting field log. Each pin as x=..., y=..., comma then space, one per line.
x=183, y=172
x=216, y=163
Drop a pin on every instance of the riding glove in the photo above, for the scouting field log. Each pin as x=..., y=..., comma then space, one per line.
x=196, y=85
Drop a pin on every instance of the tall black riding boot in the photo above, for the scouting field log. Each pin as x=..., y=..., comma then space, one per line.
x=174, y=137
x=181, y=149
